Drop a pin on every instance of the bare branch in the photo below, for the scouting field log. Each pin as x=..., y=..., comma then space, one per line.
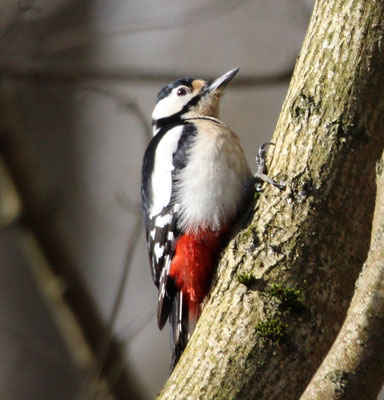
x=77, y=73
x=82, y=36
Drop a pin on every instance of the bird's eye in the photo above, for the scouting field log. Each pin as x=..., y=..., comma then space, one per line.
x=182, y=91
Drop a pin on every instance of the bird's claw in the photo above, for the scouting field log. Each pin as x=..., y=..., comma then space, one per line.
x=261, y=171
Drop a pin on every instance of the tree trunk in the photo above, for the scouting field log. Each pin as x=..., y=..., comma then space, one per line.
x=355, y=363
x=285, y=281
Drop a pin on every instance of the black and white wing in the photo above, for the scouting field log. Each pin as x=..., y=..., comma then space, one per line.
x=165, y=155
x=161, y=241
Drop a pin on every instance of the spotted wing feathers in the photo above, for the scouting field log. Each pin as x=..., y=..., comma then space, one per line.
x=162, y=236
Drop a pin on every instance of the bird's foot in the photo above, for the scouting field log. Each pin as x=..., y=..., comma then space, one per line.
x=261, y=171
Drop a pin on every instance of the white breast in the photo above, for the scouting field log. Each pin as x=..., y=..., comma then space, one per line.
x=210, y=188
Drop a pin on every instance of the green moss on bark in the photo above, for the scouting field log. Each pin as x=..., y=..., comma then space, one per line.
x=272, y=330
x=291, y=298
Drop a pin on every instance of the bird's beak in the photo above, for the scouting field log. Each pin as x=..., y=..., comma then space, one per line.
x=222, y=82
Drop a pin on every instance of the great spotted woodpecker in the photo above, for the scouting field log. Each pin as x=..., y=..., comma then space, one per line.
x=194, y=180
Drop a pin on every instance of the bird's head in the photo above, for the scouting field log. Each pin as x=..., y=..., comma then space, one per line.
x=188, y=98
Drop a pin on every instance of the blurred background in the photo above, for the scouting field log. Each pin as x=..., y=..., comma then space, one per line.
x=78, y=81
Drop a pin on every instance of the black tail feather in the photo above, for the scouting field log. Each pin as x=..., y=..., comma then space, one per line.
x=179, y=320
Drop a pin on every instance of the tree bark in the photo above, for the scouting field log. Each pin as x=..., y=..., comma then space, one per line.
x=285, y=282
x=355, y=363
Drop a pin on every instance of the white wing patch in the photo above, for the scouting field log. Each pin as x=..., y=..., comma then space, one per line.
x=158, y=249
x=162, y=171
x=170, y=236
x=163, y=220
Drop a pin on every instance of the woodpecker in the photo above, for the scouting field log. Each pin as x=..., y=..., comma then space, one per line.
x=195, y=178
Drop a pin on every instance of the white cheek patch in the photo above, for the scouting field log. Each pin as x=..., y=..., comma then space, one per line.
x=162, y=171
x=170, y=105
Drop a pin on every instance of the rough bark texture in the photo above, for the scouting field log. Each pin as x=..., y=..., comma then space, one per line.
x=355, y=364
x=264, y=335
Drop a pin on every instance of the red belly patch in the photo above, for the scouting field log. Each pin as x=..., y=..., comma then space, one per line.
x=193, y=264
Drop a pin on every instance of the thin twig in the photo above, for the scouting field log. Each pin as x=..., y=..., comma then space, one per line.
x=126, y=103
